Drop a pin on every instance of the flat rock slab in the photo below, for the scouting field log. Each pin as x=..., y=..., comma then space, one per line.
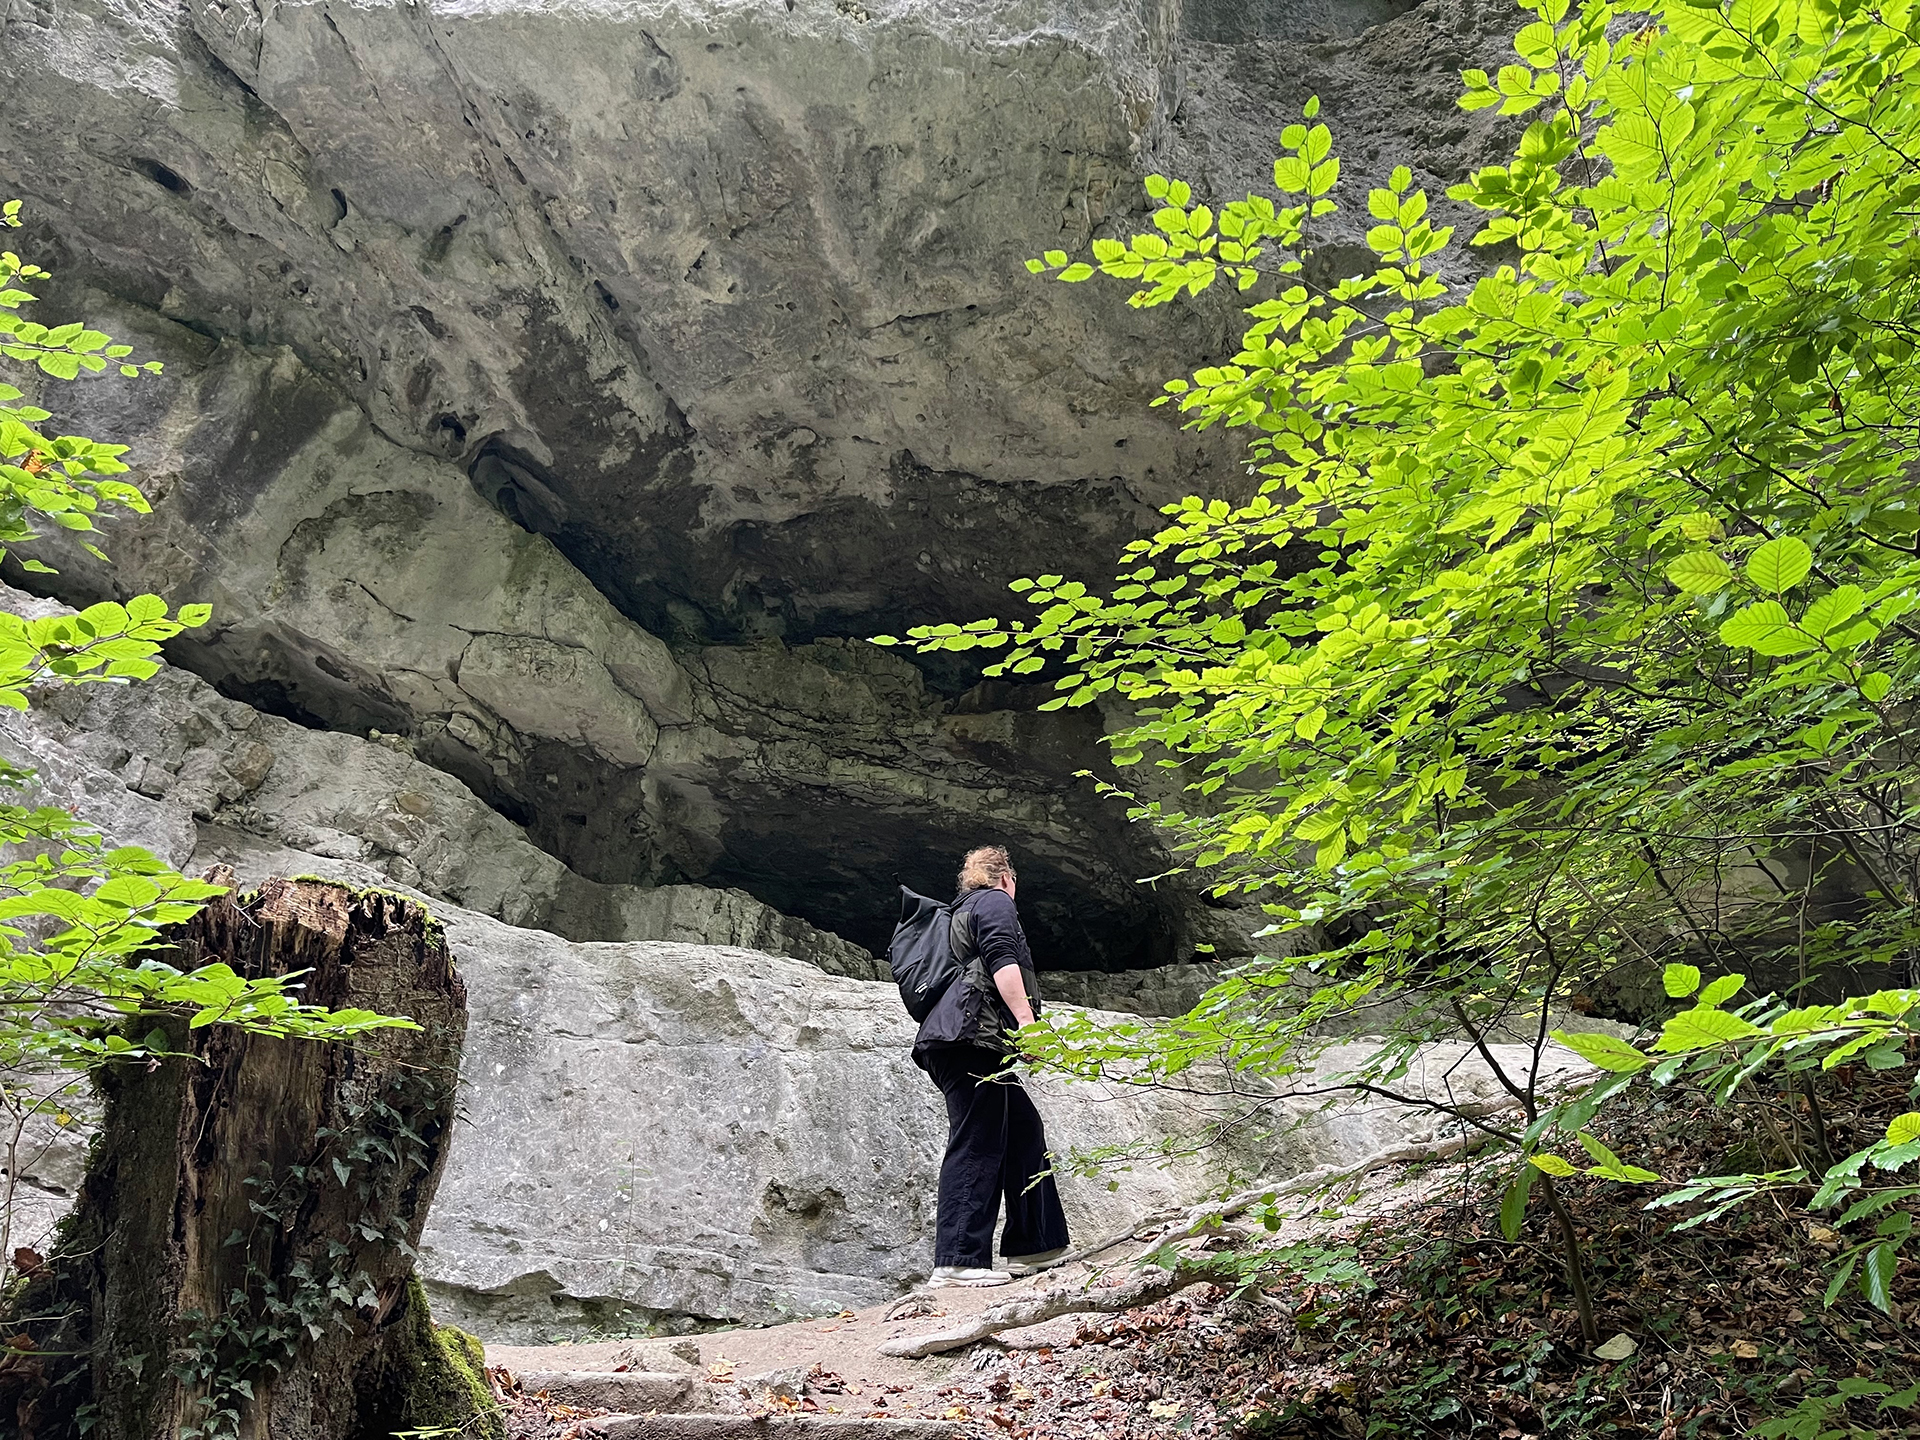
x=701, y=1130
x=626, y=1392
x=766, y=1427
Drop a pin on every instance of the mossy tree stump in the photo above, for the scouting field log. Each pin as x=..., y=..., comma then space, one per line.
x=240, y=1259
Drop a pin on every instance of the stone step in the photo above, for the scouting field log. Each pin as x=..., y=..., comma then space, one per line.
x=765, y=1427
x=627, y=1391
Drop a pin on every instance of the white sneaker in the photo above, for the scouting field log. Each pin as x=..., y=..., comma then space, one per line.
x=967, y=1275
x=1019, y=1265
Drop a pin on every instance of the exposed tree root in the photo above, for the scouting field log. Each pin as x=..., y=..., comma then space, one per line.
x=1157, y=1284
x=1143, y=1289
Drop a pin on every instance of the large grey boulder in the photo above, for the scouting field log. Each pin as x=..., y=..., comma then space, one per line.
x=659, y=1133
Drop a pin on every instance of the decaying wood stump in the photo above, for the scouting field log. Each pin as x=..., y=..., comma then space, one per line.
x=240, y=1260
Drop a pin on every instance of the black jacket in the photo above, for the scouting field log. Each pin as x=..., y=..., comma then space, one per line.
x=986, y=939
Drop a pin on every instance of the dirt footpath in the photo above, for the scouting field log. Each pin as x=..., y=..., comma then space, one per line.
x=834, y=1362
x=1093, y=1373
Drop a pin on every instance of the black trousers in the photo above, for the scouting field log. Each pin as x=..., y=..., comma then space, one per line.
x=995, y=1147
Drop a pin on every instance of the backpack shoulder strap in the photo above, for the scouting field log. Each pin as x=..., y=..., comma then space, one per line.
x=966, y=947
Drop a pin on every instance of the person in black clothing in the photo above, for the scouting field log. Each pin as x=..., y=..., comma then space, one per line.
x=996, y=1145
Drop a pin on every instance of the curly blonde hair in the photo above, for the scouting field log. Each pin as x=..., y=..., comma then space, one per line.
x=985, y=867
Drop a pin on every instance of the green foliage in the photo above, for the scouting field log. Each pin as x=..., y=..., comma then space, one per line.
x=1721, y=1053
x=103, y=642
x=1497, y=488
x=1824, y=1417
x=89, y=964
x=83, y=976
x=1570, y=629
x=66, y=478
x=1309, y=1262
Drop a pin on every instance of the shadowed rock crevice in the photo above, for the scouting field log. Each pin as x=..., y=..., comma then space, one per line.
x=1078, y=913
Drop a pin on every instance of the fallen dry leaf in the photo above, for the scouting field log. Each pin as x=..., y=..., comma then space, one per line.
x=1619, y=1347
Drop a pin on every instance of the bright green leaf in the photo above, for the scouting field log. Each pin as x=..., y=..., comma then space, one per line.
x=1780, y=564
x=1680, y=981
x=1603, y=1050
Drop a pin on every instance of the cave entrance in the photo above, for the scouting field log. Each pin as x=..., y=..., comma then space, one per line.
x=836, y=861
x=1081, y=910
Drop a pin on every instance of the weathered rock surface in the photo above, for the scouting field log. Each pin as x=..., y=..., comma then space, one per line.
x=201, y=779
x=661, y=1131
x=371, y=590
x=1162, y=990
x=656, y=1129
x=52, y=1159
x=560, y=387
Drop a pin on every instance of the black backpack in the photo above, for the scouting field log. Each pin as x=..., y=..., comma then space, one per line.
x=921, y=952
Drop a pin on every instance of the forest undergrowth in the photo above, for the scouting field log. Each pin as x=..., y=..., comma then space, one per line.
x=1437, y=1325
x=1396, y=1306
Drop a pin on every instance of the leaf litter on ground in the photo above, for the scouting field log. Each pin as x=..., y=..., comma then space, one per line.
x=1438, y=1326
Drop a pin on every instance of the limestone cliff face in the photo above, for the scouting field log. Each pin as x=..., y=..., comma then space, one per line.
x=564, y=388
x=556, y=392
x=671, y=1110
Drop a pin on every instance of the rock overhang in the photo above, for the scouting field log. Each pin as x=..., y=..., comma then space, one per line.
x=781, y=283
x=717, y=308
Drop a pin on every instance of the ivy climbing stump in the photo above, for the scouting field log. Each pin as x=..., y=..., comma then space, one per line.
x=240, y=1261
